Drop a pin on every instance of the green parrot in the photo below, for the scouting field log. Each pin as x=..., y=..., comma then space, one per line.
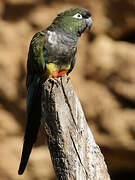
x=52, y=53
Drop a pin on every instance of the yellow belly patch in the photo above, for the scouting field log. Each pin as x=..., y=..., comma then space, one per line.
x=52, y=70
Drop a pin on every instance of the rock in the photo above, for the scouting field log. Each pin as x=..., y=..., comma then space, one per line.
x=41, y=164
x=1, y=8
x=39, y=16
x=20, y=2
x=121, y=15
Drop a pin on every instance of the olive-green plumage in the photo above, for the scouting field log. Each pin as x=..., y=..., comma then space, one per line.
x=52, y=53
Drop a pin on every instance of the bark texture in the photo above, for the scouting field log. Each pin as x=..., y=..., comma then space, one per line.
x=74, y=153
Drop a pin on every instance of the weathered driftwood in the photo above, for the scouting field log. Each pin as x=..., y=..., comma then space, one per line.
x=74, y=153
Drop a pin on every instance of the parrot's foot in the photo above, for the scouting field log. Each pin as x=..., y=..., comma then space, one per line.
x=68, y=78
x=54, y=81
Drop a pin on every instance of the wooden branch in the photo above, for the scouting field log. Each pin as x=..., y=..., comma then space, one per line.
x=74, y=153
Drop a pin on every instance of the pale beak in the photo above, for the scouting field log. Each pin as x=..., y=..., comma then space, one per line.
x=88, y=22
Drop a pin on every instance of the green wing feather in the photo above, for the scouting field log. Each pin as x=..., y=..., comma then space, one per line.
x=72, y=63
x=35, y=64
x=36, y=57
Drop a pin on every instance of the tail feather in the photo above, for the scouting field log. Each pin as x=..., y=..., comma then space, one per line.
x=27, y=147
x=33, y=122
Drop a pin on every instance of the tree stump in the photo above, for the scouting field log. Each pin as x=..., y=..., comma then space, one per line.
x=74, y=153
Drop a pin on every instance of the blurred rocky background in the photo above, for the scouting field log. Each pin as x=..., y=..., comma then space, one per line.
x=104, y=80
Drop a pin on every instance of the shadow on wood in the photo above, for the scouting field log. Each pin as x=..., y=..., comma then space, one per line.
x=74, y=153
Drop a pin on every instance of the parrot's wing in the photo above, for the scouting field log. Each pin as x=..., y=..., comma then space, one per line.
x=72, y=63
x=36, y=57
x=35, y=64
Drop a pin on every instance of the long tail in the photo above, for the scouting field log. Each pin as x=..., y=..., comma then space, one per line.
x=33, y=123
x=27, y=147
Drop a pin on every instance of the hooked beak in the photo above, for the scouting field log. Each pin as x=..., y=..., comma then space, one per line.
x=88, y=22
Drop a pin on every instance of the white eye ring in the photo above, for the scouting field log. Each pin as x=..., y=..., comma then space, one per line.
x=77, y=16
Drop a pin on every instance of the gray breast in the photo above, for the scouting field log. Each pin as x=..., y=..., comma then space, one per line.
x=59, y=47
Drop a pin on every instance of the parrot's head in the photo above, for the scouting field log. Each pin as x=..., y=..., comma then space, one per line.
x=73, y=21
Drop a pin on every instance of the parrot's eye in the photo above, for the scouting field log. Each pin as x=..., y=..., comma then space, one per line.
x=77, y=16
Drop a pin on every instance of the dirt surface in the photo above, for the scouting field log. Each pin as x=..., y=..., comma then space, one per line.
x=104, y=79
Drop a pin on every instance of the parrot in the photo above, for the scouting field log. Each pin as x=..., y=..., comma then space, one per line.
x=52, y=53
